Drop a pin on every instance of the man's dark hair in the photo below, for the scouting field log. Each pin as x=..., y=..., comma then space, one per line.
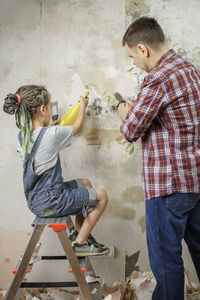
x=144, y=30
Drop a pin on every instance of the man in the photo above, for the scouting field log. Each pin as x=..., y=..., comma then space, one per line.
x=166, y=115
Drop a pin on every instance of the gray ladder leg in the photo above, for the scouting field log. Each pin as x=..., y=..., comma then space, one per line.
x=15, y=285
x=75, y=265
x=95, y=287
x=18, y=295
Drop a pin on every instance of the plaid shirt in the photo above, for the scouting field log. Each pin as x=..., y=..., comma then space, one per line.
x=166, y=115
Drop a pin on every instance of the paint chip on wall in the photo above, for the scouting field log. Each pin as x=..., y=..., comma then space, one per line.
x=142, y=223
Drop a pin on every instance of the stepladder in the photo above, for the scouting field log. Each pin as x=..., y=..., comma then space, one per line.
x=81, y=267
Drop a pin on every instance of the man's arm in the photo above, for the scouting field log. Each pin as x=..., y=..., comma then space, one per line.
x=140, y=116
x=124, y=108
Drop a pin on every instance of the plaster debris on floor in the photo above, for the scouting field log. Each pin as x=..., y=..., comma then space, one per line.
x=139, y=286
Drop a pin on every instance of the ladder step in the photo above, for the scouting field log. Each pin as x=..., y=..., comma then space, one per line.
x=81, y=261
x=83, y=270
x=48, y=284
x=46, y=221
x=53, y=257
x=89, y=291
x=15, y=271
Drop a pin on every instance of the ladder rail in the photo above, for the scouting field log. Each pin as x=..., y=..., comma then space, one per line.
x=75, y=265
x=88, y=291
x=12, y=291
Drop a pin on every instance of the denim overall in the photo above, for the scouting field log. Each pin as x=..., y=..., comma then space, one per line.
x=47, y=194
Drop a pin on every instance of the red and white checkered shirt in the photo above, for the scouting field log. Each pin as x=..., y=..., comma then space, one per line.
x=166, y=115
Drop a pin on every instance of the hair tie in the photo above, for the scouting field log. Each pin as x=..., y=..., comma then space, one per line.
x=19, y=98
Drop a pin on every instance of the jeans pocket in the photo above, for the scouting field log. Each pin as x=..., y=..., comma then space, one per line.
x=181, y=203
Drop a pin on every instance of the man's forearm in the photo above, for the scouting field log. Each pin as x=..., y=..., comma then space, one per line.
x=123, y=110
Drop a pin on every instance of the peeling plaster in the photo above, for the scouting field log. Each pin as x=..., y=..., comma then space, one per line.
x=136, y=8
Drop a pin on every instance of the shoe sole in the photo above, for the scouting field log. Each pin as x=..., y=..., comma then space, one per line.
x=92, y=254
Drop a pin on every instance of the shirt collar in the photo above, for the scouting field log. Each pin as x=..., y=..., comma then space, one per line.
x=169, y=54
x=166, y=57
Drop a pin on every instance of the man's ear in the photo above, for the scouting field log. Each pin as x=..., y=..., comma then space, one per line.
x=143, y=50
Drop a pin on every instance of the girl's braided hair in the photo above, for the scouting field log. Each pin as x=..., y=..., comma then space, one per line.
x=32, y=96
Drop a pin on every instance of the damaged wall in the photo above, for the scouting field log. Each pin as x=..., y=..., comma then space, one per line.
x=70, y=46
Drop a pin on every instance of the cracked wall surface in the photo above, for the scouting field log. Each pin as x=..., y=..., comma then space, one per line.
x=70, y=46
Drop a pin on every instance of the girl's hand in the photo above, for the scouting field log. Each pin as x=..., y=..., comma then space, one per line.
x=83, y=101
x=53, y=123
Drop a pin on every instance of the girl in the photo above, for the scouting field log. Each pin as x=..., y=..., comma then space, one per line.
x=46, y=193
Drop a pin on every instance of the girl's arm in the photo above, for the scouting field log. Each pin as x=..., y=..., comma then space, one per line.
x=81, y=116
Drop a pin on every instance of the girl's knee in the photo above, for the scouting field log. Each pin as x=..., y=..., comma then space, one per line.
x=102, y=196
x=86, y=183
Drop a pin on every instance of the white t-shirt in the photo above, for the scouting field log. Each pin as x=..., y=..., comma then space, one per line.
x=55, y=139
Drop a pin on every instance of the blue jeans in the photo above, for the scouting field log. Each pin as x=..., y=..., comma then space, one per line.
x=170, y=219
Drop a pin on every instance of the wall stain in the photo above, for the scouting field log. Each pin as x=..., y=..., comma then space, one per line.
x=133, y=195
x=142, y=223
x=95, y=136
x=118, y=209
x=122, y=208
x=92, y=136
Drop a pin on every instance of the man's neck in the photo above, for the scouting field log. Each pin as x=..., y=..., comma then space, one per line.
x=155, y=56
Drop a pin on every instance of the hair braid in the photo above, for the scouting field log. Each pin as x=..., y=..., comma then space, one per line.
x=32, y=97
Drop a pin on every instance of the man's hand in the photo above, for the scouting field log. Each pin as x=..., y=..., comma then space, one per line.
x=124, y=108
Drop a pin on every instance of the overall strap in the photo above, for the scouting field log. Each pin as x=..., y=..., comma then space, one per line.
x=37, y=142
x=20, y=138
